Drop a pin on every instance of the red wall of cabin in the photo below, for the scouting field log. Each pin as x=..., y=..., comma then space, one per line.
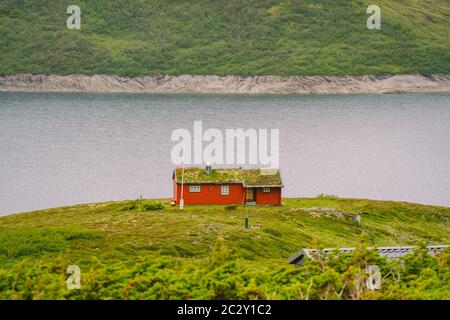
x=268, y=198
x=210, y=194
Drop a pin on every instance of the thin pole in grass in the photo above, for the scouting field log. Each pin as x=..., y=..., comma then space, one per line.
x=182, y=186
x=246, y=217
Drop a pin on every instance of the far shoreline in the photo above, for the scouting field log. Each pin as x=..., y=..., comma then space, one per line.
x=211, y=84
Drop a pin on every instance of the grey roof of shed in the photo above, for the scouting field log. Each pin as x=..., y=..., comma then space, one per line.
x=390, y=252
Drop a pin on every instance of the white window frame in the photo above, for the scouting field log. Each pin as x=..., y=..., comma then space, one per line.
x=267, y=190
x=223, y=192
x=195, y=189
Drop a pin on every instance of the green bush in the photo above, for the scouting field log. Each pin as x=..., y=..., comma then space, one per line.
x=326, y=196
x=15, y=243
x=273, y=232
x=151, y=207
x=144, y=205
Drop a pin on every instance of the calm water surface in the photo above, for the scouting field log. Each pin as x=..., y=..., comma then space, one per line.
x=63, y=149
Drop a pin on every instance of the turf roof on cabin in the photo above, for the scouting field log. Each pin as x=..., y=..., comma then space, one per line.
x=248, y=177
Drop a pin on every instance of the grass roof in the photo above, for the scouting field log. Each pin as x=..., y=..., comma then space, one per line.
x=248, y=177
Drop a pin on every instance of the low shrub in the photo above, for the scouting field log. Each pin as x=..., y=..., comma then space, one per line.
x=326, y=196
x=143, y=205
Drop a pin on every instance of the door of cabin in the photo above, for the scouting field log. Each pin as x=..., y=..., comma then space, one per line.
x=250, y=195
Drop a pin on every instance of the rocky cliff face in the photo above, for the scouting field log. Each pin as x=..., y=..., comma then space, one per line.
x=225, y=84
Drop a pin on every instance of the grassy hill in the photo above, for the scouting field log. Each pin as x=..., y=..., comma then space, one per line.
x=148, y=249
x=242, y=37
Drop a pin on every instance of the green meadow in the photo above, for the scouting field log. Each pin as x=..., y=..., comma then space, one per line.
x=147, y=249
x=239, y=37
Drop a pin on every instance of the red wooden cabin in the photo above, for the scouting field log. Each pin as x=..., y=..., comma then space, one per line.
x=227, y=186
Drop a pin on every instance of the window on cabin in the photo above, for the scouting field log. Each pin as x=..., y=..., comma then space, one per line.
x=225, y=190
x=194, y=188
x=266, y=190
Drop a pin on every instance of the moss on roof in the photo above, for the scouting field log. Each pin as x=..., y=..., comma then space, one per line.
x=248, y=177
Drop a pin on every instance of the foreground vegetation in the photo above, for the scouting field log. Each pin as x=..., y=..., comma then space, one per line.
x=240, y=37
x=150, y=250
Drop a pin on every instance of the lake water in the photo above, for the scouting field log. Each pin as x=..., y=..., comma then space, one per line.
x=63, y=149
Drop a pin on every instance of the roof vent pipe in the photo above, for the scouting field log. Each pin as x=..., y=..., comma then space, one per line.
x=208, y=169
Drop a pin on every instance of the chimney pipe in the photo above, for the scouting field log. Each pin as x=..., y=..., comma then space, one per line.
x=208, y=169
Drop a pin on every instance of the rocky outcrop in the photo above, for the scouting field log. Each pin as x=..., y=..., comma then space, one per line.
x=225, y=84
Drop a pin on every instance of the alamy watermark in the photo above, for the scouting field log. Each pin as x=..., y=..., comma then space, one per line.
x=374, y=281
x=234, y=146
x=374, y=21
x=73, y=282
x=74, y=20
